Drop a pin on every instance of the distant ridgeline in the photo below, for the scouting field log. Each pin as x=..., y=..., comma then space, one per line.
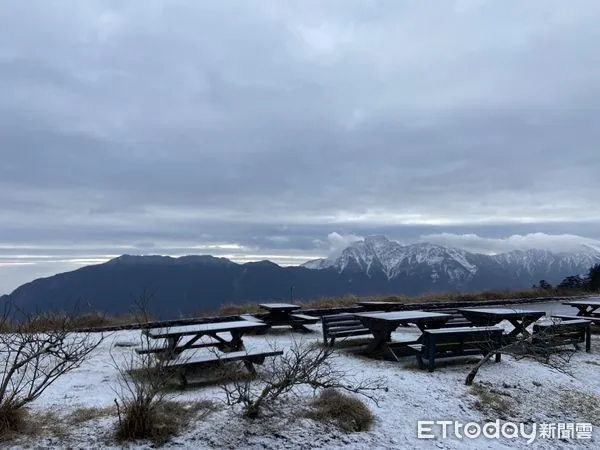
x=375, y=266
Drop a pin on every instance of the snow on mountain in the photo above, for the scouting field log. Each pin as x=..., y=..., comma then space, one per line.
x=380, y=254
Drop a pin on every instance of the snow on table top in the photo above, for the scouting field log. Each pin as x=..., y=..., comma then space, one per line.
x=403, y=315
x=503, y=312
x=595, y=302
x=278, y=306
x=204, y=328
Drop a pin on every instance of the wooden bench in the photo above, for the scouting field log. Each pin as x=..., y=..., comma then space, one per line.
x=299, y=320
x=182, y=365
x=457, y=319
x=342, y=325
x=566, y=332
x=593, y=320
x=453, y=342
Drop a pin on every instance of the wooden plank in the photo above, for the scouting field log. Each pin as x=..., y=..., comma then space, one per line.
x=402, y=316
x=216, y=358
x=156, y=333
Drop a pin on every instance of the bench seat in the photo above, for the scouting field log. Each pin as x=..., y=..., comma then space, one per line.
x=456, y=320
x=342, y=325
x=304, y=319
x=593, y=320
x=451, y=342
x=551, y=334
x=249, y=358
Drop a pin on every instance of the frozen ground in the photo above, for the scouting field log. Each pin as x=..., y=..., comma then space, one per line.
x=537, y=395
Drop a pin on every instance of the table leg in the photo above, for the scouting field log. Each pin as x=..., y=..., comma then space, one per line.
x=520, y=327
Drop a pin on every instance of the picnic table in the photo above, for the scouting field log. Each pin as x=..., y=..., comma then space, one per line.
x=586, y=308
x=284, y=314
x=382, y=324
x=175, y=335
x=520, y=319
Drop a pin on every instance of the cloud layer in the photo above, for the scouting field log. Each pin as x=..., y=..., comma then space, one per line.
x=164, y=126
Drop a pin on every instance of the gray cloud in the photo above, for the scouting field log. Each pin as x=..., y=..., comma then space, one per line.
x=272, y=124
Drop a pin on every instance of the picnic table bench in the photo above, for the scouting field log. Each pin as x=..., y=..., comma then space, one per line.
x=552, y=334
x=342, y=325
x=454, y=342
x=183, y=365
x=591, y=319
x=382, y=324
x=457, y=318
x=586, y=308
x=174, y=337
x=283, y=314
x=520, y=319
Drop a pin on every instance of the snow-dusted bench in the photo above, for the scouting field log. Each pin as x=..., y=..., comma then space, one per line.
x=452, y=342
x=551, y=334
x=342, y=325
x=249, y=358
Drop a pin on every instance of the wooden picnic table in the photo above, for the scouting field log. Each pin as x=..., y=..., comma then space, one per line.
x=284, y=314
x=520, y=319
x=586, y=308
x=174, y=335
x=382, y=324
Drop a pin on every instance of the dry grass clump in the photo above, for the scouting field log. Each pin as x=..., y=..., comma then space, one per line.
x=160, y=423
x=582, y=406
x=342, y=410
x=492, y=402
x=17, y=424
x=12, y=421
x=82, y=415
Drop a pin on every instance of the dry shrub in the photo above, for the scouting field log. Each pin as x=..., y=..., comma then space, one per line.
x=12, y=421
x=345, y=411
x=160, y=423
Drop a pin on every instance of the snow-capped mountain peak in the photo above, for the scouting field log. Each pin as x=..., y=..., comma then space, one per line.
x=380, y=255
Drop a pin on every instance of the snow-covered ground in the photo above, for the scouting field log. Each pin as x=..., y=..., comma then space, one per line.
x=537, y=395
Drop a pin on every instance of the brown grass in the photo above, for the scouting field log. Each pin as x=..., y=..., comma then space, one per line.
x=82, y=415
x=20, y=423
x=492, y=402
x=55, y=321
x=161, y=423
x=342, y=410
x=581, y=406
x=350, y=300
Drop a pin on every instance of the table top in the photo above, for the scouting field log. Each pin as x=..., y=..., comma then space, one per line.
x=502, y=312
x=403, y=316
x=287, y=306
x=202, y=328
x=591, y=302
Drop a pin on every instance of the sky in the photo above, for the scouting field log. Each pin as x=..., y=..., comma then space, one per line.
x=284, y=130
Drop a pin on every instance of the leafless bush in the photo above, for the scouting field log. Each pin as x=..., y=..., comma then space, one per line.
x=144, y=401
x=533, y=348
x=31, y=361
x=301, y=365
x=345, y=411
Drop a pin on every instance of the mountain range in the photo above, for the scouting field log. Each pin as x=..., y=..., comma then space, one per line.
x=373, y=266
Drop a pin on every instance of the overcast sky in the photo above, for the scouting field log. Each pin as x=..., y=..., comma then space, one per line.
x=286, y=129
